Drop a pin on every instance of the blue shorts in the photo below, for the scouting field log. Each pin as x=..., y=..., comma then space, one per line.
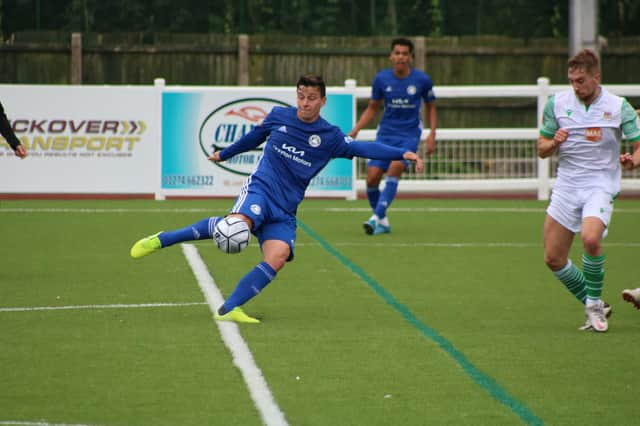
x=407, y=143
x=270, y=222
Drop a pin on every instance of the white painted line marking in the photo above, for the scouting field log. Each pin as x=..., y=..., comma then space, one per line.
x=448, y=245
x=39, y=423
x=303, y=209
x=242, y=358
x=117, y=306
x=455, y=210
x=114, y=210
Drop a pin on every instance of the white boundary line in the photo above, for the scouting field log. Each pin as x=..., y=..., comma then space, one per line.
x=114, y=210
x=116, y=306
x=453, y=210
x=308, y=209
x=449, y=245
x=242, y=358
x=39, y=423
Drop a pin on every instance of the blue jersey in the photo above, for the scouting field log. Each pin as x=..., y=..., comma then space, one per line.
x=402, y=100
x=297, y=151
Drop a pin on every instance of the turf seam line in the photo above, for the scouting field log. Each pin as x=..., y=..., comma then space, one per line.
x=256, y=383
x=112, y=306
x=484, y=381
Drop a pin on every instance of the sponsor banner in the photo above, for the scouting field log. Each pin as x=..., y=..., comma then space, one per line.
x=81, y=139
x=198, y=122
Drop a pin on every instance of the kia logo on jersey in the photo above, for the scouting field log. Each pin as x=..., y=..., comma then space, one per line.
x=228, y=123
x=292, y=149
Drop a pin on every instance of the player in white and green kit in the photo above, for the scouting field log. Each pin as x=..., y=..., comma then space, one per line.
x=585, y=126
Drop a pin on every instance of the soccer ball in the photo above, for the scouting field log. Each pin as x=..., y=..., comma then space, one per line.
x=232, y=235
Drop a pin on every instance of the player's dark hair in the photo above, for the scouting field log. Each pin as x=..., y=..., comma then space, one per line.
x=402, y=42
x=587, y=60
x=312, y=80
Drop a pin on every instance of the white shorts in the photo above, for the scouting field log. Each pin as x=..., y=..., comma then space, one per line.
x=570, y=207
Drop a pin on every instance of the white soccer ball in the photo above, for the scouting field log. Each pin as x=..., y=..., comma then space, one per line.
x=232, y=234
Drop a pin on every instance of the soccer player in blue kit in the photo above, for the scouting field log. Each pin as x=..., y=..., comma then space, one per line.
x=402, y=89
x=299, y=144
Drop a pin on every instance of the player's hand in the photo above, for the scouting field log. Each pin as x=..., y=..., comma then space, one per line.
x=430, y=144
x=626, y=160
x=412, y=156
x=560, y=136
x=353, y=133
x=21, y=151
x=215, y=157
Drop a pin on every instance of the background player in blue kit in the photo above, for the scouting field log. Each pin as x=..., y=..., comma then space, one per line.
x=402, y=89
x=299, y=144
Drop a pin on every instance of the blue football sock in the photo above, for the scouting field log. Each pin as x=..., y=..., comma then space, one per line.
x=373, y=194
x=387, y=196
x=198, y=231
x=249, y=286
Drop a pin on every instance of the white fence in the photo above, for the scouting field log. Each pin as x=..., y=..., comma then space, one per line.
x=491, y=160
x=146, y=140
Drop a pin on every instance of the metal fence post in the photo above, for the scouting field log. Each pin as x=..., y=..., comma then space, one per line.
x=543, y=163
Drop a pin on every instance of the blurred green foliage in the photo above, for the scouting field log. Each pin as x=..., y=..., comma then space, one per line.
x=516, y=18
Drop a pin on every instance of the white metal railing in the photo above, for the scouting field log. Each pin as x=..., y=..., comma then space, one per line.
x=490, y=160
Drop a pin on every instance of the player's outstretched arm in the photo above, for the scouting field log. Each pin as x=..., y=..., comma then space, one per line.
x=248, y=142
x=215, y=157
x=378, y=151
x=412, y=156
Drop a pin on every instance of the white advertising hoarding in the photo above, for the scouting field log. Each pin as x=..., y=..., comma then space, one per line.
x=82, y=139
x=149, y=139
x=199, y=121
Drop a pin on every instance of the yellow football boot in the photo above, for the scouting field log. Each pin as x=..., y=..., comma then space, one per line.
x=146, y=246
x=236, y=315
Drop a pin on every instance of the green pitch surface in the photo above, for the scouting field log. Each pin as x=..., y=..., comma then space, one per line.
x=452, y=319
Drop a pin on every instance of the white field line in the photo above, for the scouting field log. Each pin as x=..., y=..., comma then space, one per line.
x=449, y=245
x=115, y=306
x=242, y=358
x=39, y=423
x=454, y=210
x=307, y=209
x=115, y=210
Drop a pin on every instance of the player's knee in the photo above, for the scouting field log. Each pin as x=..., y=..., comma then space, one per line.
x=591, y=244
x=373, y=182
x=277, y=259
x=554, y=262
x=277, y=263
